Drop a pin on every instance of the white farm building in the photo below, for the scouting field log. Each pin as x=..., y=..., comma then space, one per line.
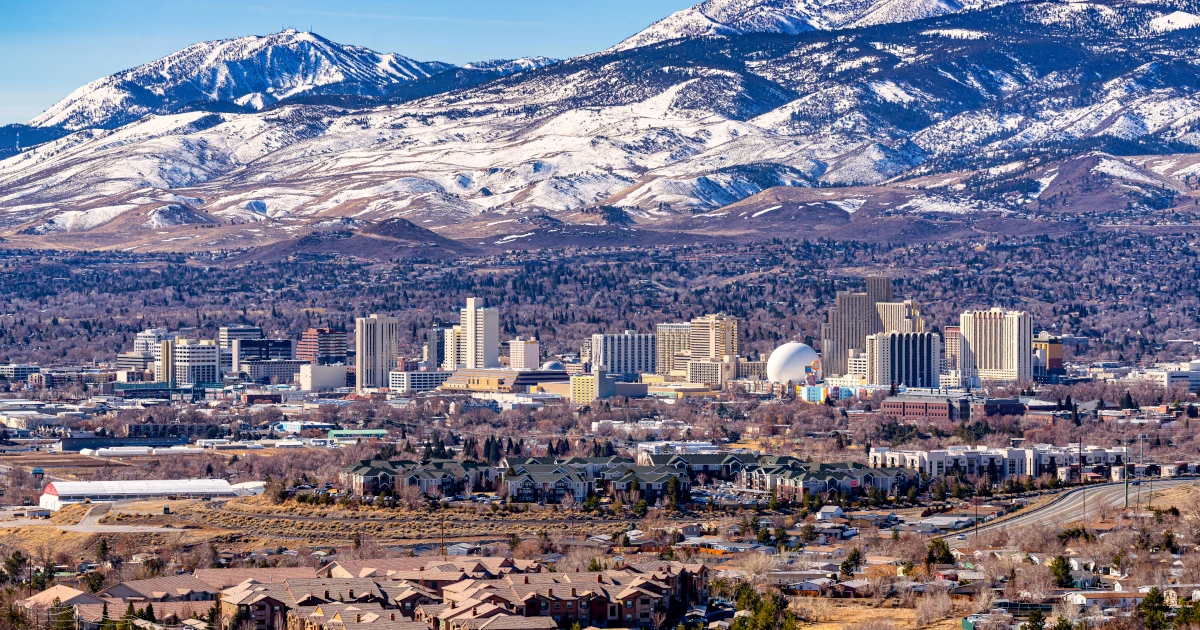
x=56, y=494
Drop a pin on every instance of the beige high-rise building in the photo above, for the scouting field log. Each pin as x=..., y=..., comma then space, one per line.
x=849, y=323
x=376, y=345
x=524, y=354
x=481, y=335
x=164, y=365
x=902, y=317
x=950, y=341
x=454, y=348
x=911, y=359
x=879, y=289
x=714, y=336
x=995, y=345
x=671, y=340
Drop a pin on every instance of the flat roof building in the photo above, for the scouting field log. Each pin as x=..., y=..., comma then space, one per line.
x=60, y=493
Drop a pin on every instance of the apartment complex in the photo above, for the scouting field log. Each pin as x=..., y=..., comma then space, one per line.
x=376, y=341
x=999, y=463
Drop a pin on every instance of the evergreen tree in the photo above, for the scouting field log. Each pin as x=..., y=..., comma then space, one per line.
x=1061, y=571
x=1036, y=621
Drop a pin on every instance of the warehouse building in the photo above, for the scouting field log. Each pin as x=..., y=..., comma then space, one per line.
x=60, y=493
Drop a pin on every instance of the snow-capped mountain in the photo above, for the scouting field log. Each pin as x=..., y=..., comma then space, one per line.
x=967, y=112
x=248, y=74
x=714, y=18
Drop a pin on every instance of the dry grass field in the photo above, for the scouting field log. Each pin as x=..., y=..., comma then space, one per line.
x=840, y=614
x=253, y=520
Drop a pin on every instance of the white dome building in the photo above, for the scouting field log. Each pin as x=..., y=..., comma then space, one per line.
x=793, y=362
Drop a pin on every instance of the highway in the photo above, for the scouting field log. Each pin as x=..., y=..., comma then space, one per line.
x=1068, y=506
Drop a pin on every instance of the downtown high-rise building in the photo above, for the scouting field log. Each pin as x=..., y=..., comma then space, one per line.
x=910, y=359
x=524, y=354
x=950, y=345
x=376, y=347
x=714, y=336
x=672, y=340
x=995, y=346
x=322, y=346
x=879, y=290
x=902, y=317
x=628, y=354
x=188, y=361
x=473, y=344
x=855, y=315
x=847, y=326
x=435, y=344
x=480, y=335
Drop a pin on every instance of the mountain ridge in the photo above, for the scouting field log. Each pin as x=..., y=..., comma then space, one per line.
x=972, y=116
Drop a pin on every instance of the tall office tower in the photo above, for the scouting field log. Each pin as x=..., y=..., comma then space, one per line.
x=628, y=354
x=900, y=316
x=260, y=350
x=714, y=336
x=226, y=336
x=524, y=354
x=879, y=289
x=197, y=361
x=435, y=344
x=322, y=346
x=164, y=362
x=951, y=343
x=911, y=359
x=376, y=340
x=849, y=323
x=671, y=340
x=481, y=335
x=995, y=345
x=148, y=341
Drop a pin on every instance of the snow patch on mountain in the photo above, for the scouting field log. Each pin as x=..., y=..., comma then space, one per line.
x=1174, y=21
x=716, y=18
x=250, y=72
x=80, y=220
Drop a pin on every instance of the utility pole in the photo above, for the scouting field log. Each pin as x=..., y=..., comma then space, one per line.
x=1082, y=483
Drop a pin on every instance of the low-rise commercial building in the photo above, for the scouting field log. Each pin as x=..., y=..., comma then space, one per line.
x=403, y=382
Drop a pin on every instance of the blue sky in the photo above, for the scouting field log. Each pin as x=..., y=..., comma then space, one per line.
x=50, y=47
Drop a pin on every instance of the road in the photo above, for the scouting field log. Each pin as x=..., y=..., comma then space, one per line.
x=89, y=525
x=1068, y=506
